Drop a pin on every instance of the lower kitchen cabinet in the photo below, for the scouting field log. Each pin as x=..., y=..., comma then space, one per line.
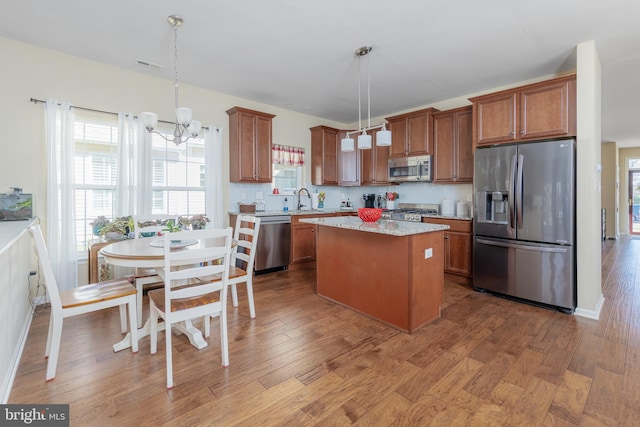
x=303, y=237
x=458, y=245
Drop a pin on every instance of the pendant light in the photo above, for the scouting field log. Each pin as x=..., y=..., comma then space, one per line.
x=383, y=137
x=186, y=128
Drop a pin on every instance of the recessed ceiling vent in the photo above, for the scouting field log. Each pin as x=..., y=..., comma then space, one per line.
x=149, y=64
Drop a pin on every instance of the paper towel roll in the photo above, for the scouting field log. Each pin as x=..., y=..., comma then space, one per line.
x=448, y=207
x=314, y=200
x=462, y=209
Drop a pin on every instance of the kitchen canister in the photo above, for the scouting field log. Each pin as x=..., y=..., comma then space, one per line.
x=462, y=209
x=448, y=207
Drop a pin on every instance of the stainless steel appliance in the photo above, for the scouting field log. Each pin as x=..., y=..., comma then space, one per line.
x=273, y=245
x=410, y=212
x=410, y=169
x=369, y=200
x=524, y=222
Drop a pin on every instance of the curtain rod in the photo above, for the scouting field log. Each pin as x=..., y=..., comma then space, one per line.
x=36, y=101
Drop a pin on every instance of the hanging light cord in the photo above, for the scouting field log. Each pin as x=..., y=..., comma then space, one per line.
x=175, y=48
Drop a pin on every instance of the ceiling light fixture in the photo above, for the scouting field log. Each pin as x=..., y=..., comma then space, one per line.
x=186, y=127
x=383, y=136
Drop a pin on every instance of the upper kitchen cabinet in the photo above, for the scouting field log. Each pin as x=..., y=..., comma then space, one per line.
x=375, y=163
x=537, y=111
x=453, y=145
x=411, y=133
x=330, y=165
x=250, y=134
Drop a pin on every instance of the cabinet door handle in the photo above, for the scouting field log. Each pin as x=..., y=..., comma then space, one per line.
x=512, y=133
x=522, y=132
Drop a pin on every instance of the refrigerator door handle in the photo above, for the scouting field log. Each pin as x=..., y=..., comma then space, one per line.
x=512, y=212
x=517, y=246
x=519, y=182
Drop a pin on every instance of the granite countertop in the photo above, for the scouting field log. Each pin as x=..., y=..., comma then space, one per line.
x=295, y=212
x=382, y=226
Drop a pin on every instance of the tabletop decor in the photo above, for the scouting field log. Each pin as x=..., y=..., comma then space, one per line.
x=321, y=200
x=369, y=214
x=98, y=223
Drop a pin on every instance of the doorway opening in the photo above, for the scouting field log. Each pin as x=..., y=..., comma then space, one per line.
x=634, y=202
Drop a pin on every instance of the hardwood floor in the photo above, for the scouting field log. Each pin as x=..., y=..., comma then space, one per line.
x=305, y=361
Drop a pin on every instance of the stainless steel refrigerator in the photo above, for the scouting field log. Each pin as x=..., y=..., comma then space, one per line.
x=524, y=222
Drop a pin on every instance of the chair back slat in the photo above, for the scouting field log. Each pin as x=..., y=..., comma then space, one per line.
x=247, y=239
x=47, y=268
x=184, y=266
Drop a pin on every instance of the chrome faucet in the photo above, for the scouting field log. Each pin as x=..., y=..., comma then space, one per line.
x=300, y=205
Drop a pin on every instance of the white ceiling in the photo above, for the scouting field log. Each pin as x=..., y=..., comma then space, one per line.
x=299, y=54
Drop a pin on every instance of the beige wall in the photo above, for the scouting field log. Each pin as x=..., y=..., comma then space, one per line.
x=40, y=73
x=609, y=195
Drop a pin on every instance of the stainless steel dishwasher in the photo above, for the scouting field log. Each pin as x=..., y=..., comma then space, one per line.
x=274, y=243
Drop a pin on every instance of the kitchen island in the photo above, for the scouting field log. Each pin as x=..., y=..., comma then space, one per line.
x=392, y=271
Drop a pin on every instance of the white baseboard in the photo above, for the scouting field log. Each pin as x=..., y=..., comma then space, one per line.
x=591, y=314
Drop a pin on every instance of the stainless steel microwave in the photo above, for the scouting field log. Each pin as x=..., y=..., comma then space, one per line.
x=410, y=169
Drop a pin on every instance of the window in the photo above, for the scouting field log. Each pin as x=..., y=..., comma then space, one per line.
x=178, y=174
x=95, y=163
x=287, y=170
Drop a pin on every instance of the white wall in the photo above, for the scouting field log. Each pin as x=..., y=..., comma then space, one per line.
x=588, y=178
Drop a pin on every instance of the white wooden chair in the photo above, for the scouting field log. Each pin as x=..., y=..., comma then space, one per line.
x=243, y=257
x=184, y=297
x=80, y=300
x=146, y=276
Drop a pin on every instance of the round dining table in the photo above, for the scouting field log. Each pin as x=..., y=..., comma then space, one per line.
x=148, y=252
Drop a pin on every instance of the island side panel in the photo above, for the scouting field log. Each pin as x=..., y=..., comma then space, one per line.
x=426, y=289
x=368, y=272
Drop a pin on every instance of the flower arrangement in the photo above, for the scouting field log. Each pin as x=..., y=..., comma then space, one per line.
x=199, y=221
x=321, y=197
x=98, y=223
x=392, y=195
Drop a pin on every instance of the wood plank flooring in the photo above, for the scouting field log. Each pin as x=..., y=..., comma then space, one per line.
x=305, y=361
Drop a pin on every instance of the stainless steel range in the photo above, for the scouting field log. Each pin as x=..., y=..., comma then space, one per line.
x=411, y=212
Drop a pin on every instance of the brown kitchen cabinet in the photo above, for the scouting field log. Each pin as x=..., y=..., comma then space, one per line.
x=458, y=245
x=411, y=133
x=250, y=136
x=537, y=111
x=453, y=146
x=374, y=163
x=303, y=237
x=329, y=164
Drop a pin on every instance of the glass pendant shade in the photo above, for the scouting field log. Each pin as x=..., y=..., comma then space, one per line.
x=194, y=128
x=184, y=116
x=149, y=120
x=383, y=137
x=347, y=144
x=364, y=141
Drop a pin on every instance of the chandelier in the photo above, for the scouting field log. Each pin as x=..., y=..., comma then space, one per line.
x=383, y=136
x=186, y=128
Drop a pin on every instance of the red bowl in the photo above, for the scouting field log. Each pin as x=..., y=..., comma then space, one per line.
x=369, y=214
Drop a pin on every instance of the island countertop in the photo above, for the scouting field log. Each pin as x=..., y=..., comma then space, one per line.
x=382, y=226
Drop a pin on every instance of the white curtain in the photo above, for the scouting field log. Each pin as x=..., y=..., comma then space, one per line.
x=133, y=195
x=61, y=240
x=125, y=180
x=213, y=172
x=144, y=172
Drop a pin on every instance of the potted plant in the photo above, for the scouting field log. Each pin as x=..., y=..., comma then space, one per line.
x=116, y=229
x=199, y=221
x=171, y=226
x=98, y=223
x=321, y=200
